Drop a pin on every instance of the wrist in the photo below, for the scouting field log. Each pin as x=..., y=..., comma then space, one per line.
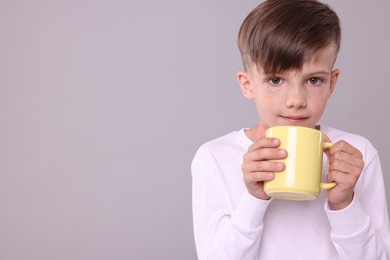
x=260, y=196
x=340, y=204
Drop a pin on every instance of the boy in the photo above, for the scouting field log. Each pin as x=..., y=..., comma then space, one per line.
x=288, y=49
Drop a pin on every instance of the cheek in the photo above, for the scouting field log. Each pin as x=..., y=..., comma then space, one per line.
x=268, y=106
x=318, y=106
x=319, y=98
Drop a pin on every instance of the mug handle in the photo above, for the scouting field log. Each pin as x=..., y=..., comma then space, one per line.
x=327, y=186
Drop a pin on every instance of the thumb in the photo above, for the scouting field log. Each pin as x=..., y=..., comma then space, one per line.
x=326, y=139
x=262, y=130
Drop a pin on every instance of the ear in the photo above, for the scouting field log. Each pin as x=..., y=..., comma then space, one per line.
x=333, y=79
x=245, y=84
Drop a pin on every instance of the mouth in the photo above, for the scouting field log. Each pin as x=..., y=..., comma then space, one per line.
x=294, y=119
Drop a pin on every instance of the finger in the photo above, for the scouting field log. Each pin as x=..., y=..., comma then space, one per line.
x=326, y=138
x=262, y=130
x=263, y=166
x=265, y=154
x=341, y=160
x=264, y=142
x=347, y=148
x=344, y=167
x=343, y=180
x=253, y=178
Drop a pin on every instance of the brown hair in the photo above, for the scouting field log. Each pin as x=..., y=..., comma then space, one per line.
x=280, y=34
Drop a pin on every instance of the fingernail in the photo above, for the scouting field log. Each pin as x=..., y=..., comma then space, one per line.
x=280, y=166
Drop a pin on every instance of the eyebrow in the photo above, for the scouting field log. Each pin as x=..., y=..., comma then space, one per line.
x=319, y=72
x=313, y=73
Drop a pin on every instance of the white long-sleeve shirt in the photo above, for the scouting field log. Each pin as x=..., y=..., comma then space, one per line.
x=229, y=223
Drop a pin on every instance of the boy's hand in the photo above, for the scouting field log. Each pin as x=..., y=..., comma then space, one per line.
x=345, y=166
x=256, y=168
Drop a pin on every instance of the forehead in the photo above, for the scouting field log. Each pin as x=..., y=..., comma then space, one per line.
x=323, y=59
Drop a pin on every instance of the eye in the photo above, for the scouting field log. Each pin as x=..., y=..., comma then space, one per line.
x=314, y=81
x=275, y=81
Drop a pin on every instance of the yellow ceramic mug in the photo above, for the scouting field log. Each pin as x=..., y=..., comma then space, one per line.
x=301, y=178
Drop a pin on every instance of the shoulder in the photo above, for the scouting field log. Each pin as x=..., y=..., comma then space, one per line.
x=358, y=141
x=227, y=147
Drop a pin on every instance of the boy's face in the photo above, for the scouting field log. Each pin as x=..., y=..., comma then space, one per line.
x=295, y=97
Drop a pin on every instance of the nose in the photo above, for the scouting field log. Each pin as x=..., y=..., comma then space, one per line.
x=296, y=97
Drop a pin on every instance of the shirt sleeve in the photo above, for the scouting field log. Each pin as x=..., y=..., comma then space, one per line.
x=222, y=233
x=361, y=231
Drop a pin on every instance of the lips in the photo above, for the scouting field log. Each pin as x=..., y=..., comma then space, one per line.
x=295, y=119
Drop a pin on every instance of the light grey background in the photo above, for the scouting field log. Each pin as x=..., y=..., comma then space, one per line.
x=104, y=103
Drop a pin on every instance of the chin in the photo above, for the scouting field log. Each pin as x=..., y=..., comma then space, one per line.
x=301, y=124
